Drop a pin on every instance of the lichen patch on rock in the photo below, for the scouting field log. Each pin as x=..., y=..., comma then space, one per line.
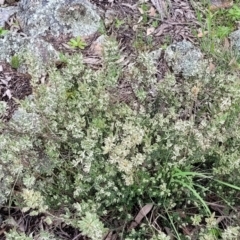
x=184, y=58
x=77, y=17
x=235, y=41
x=14, y=43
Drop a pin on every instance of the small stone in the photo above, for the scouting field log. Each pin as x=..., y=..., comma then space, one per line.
x=235, y=41
x=185, y=59
x=97, y=45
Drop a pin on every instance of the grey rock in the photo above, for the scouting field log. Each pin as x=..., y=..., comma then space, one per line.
x=41, y=17
x=10, y=44
x=184, y=58
x=14, y=43
x=101, y=39
x=76, y=17
x=5, y=14
x=235, y=40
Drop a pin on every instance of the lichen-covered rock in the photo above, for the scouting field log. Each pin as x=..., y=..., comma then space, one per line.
x=184, y=58
x=11, y=44
x=38, y=18
x=235, y=40
x=15, y=44
x=76, y=17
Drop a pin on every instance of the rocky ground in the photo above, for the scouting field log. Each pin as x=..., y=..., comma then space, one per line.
x=137, y=27
x=158, y=27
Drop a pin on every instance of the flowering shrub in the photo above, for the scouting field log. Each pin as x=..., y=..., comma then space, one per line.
x=71, y=147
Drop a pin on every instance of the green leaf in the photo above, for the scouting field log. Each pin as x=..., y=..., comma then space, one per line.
x=15, y=62
x=77, y=42
x=3, y=31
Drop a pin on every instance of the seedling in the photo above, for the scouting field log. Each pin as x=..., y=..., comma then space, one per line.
x=3, y=31
x=144, y=11
x=234, y=13
x=77, y=42
x=155, y=23
x=119, y=23
x=62, y=58
x=15, y=62
x=223, y=31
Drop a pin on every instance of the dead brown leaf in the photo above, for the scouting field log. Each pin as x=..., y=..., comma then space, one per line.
x=141, y=10
x=67, y=46
x=135, y=27
x=8, y=94
x=160, y=30
x=92, y=61
x=201, y=33
x=152, y=12
x=111, y=236
x=133, y=7
x=226, y=45
x=142, y=213
x=186, y=231
x=4, y=82
x=120, y=60
x=161, y=6
x=150, y=30
x=140, y=19
x=211, y=67
x=97, y=48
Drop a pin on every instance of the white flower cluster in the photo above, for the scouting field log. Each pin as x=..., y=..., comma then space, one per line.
x=122, y=150
x=33, y=200
x=231, y=233
x=91, y=226
x=69, y=142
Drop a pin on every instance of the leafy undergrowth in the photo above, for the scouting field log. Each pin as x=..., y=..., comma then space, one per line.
x=77, y=155
x=163, y=164
x=213, y=35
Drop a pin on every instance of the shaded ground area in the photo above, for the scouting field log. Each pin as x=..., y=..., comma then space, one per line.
x=13, y=85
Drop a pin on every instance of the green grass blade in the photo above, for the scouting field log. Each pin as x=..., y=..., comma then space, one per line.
x=195, y=194
x=227, y=184
x=171, y=221
x=180, y=173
